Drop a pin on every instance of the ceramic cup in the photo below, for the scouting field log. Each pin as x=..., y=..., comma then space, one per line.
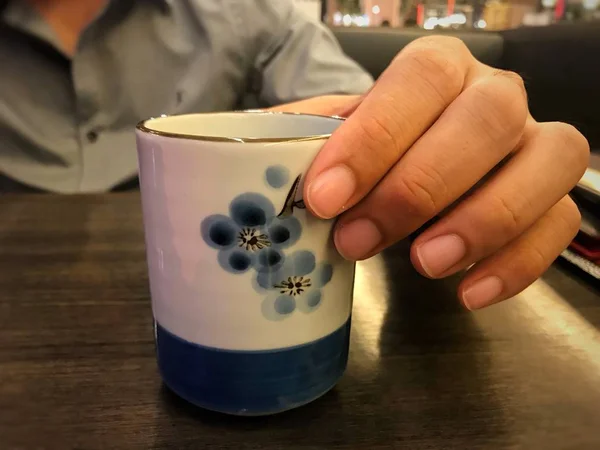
x=251, y=301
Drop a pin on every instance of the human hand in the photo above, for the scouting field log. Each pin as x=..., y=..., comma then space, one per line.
x=439, y=125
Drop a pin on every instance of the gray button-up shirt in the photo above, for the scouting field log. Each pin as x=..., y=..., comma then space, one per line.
x=66, y=123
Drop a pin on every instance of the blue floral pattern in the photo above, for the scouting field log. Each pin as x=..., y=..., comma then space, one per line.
x=253, y=236
x=294, y=285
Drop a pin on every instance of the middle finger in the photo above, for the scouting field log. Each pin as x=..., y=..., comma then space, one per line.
x=473, y=135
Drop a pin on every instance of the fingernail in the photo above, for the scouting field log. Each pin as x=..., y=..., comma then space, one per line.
x=330, y=191
x=357, y=239
x=483, y=293
x=441, y=253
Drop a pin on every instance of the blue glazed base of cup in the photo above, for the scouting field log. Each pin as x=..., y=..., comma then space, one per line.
x=252, y=383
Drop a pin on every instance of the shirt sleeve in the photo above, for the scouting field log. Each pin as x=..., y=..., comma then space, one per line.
x=298, y=57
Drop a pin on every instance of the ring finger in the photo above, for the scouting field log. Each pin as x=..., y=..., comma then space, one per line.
x=550, y=163
x=520, y=263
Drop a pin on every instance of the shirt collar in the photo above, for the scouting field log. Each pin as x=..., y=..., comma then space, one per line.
x=15, y=10
x=19, y=15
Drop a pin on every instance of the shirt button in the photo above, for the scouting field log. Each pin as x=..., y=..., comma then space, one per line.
x=92, y=136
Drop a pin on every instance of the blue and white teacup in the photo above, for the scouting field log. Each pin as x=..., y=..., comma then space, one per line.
x=251, y=301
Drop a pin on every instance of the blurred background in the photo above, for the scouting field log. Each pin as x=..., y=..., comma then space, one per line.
x=552, y=44
x=493, y=15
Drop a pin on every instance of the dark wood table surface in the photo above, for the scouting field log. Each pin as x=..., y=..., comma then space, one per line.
x=77, y=366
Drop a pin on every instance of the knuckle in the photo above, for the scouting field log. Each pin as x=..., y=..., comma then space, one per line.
x=416, y=195
x=573, y=145
x=506, y=218
x=377, y=136
x=570, y=216
x=574, y=220
x=500, y=110
x=513, y=77
x=537, y=262
x=444, y=43
x=563, y=220
x=439, y=71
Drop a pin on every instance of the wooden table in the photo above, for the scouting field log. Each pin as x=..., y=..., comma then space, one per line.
x=77, y=367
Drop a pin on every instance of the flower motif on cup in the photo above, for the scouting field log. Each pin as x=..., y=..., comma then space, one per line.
x=251, y=236
x=294, y=285
x=255, y=236
x=252, y=239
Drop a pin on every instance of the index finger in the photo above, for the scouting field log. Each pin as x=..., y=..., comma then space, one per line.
x=406, y=100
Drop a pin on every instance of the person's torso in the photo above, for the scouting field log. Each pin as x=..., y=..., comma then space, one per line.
x=66, y=124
